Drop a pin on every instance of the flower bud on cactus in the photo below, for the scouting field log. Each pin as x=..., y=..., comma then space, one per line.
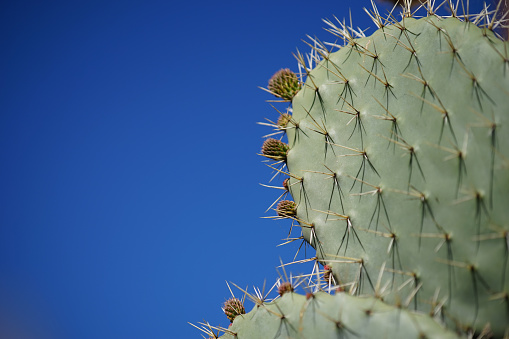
x=232, y=308
x=285, y=183
x=285, y=288
x=284, y=84
x=327, y=270
x=275, y=149
x=283, y=120
x=286, y=208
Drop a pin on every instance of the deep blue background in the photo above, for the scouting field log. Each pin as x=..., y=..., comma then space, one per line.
x=129, y=169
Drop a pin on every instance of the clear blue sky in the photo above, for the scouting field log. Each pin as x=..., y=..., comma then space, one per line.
x=130, y=176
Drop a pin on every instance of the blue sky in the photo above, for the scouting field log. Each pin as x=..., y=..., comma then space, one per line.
x=130, y=175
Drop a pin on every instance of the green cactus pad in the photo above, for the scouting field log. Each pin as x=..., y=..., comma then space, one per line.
x=333, y=316
x=410, y=126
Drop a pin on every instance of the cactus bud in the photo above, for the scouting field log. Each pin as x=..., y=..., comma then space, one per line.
x=284, y=84
x=232, y=308
x=275, y=149
x=283, y=120
x=327, y=270
x=285, y=288
x=285, y=184
x=286, y=208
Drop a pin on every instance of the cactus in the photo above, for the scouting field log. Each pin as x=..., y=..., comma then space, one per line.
x=232, y=308
x=398, y=164
x=410, y=127
x=322, y=315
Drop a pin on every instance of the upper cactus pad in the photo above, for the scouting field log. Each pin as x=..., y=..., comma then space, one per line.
x=410, y=128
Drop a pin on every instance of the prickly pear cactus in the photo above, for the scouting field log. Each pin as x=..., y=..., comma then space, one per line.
x=399, y=166
x=397, y=160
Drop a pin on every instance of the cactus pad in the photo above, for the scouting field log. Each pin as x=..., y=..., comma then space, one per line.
x=322, y=315
x=410, y=128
